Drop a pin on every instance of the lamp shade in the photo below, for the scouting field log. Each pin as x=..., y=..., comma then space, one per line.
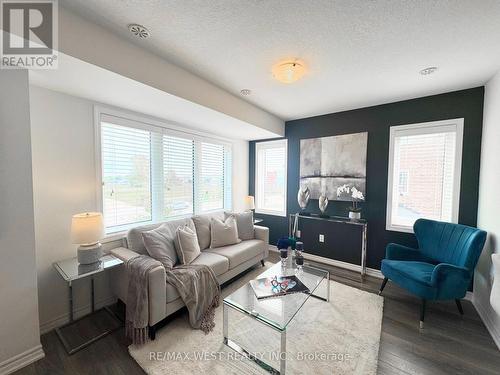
x=87, y=228
x=250, y=202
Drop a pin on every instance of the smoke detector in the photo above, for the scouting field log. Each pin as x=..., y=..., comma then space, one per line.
x=429, y=70
x=245, y=92
x=139, y=31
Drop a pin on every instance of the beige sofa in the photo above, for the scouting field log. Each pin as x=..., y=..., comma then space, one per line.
x=226, y=262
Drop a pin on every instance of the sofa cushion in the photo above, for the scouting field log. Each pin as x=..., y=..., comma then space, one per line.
x=240, y=252
x=186, y=244
x=217, y=263
x=134, y=235
x=202, y=224
x=223, y=233
x=244, y=221
x=159, y=243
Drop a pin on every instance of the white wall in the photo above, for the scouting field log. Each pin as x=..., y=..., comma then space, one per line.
x=489, y=206
x=64, y=180
x=19, y=332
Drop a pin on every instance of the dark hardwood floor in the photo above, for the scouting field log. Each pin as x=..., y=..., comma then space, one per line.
x=449, y=343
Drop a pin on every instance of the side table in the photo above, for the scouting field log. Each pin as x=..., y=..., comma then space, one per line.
x=70, y=270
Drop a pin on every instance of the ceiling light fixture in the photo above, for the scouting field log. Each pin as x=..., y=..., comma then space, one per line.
x=139, y=31
x=429, y=70
x=289, y=71
x=245, y=92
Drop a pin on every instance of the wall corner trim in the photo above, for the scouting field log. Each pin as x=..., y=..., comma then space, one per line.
x=484, y=314
x=21, y=360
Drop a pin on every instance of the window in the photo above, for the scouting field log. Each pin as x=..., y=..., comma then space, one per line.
x=403, y=182
x=270, y=177
x=151, y=174
x=424, y=173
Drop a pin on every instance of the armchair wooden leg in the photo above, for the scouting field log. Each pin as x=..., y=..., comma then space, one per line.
x=262, y=262
x=422, y=314
x=382, y=286
x=459, y=305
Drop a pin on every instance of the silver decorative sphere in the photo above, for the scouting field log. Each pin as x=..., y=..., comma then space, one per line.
x=323, y=203
x=303, y=196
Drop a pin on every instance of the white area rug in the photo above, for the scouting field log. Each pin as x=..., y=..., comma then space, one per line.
x=339, y=337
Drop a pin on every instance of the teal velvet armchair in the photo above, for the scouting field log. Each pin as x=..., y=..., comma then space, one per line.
x=442, y=266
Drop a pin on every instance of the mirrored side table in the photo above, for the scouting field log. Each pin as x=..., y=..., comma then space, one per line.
x=80, y=333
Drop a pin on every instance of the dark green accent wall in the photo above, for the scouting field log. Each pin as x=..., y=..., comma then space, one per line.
x=376, y=121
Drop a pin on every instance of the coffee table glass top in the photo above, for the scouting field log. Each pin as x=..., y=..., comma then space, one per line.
x=277, y=311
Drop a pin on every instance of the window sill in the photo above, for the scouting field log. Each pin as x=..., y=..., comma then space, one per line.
x=271, y=213
x=399, y=228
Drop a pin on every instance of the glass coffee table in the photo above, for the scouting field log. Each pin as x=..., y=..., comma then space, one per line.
x=244, y=301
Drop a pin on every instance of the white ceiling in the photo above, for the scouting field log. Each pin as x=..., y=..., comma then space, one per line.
x=359, y=53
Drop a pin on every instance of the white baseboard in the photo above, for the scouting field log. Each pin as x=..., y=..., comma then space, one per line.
x=488, y=322
x=469, y=296
x=78, y=312
x=337, y=263
x=21, y=360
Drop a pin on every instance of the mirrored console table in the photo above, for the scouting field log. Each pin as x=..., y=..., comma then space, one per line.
x=340, y=237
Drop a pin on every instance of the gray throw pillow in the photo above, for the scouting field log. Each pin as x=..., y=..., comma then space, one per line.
x=202, y=224
x=244, y=222
x=223, y=233
x=186, y=244
x=160, y=245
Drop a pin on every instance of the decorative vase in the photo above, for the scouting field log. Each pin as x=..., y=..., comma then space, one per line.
x=299, y=258
x=303, y=197
x=354, y=215
x=323, y=204
x=284, y=257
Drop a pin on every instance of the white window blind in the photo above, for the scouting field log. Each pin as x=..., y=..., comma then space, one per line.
x=178, y=169
x=211, y=189
x=151, y=174
x=270, y=177
x=126, y=172
x=424, y=173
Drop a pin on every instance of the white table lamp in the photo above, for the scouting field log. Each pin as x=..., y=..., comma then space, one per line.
x=87, y=229
x=249, y=203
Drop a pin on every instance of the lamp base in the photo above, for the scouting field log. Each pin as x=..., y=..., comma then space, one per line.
x=88, y=254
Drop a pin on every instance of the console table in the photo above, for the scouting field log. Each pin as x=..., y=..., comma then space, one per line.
x=294, y=224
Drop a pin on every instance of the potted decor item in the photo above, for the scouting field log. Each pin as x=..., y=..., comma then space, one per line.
x=355, y=210
x=299, y=258
x=283, y=245
x=354, y=195
x=303, y=198
x=323, y=204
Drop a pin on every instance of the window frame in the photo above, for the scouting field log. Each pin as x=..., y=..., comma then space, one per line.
x=456, y=125
x=133, y=120
x=267, y=145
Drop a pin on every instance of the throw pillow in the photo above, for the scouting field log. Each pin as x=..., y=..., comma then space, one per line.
x=244, y=222
x=202, y=225
x=224, y=233
x=159, y=244
x=187, y=245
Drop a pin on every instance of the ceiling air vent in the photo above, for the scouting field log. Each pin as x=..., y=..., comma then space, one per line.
x=139, y=31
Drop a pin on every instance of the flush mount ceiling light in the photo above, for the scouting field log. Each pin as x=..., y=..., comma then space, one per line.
x=245, y=92
x=139, y=31
x=289, y=71
x=429, y=70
